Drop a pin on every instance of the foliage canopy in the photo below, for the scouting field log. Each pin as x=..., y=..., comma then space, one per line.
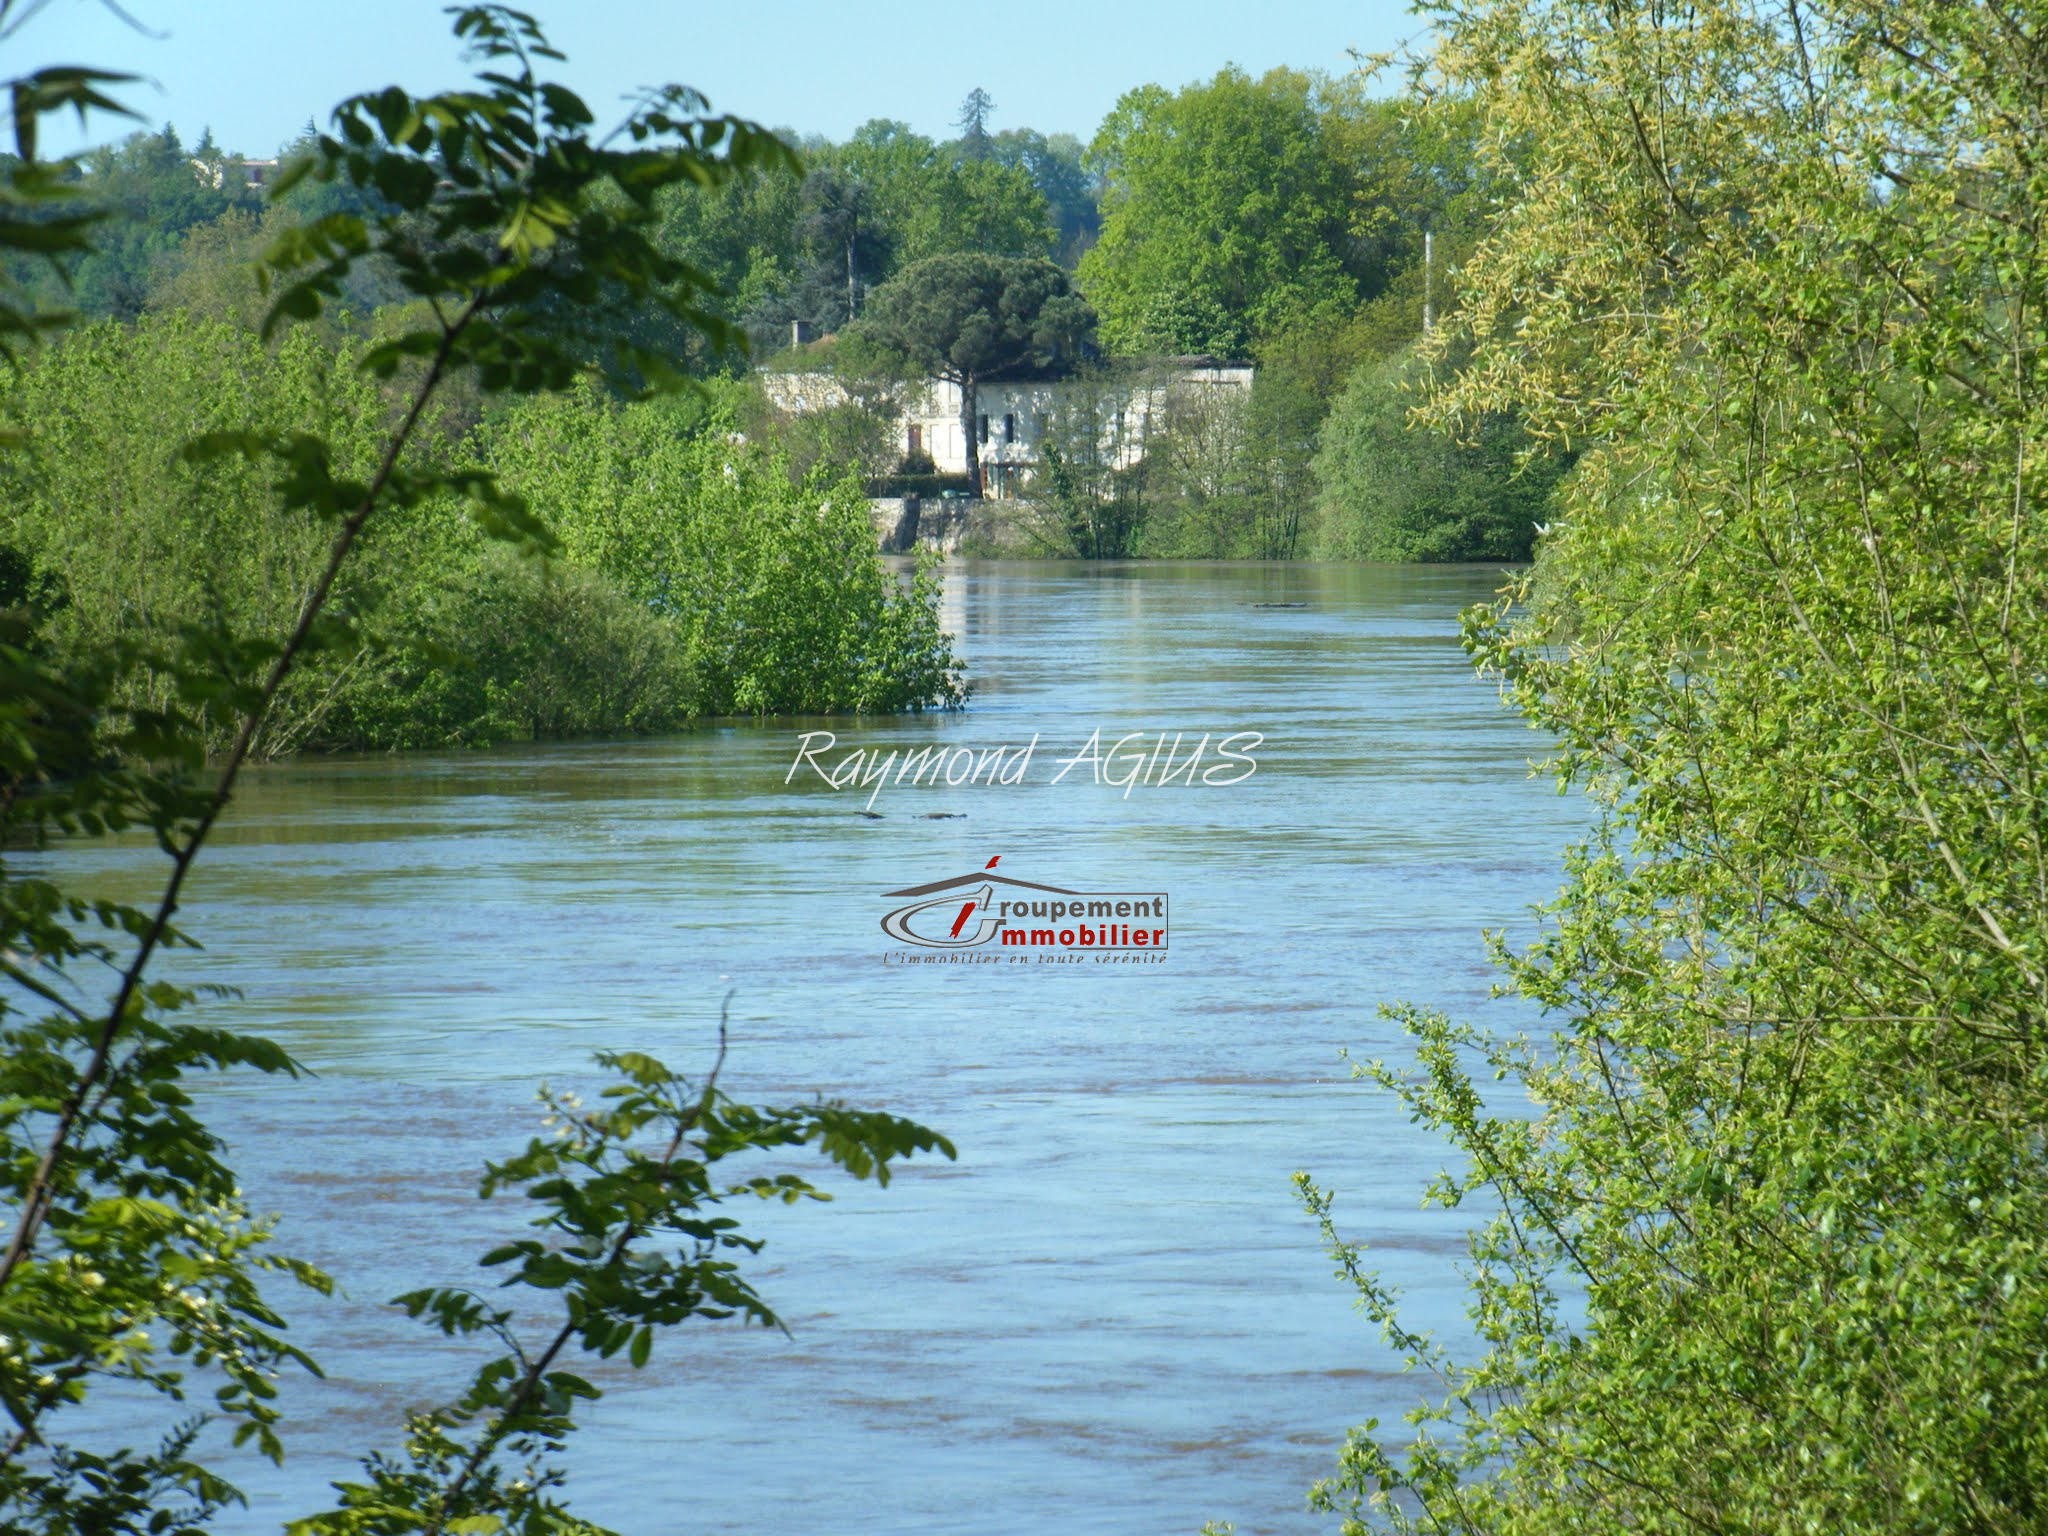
x=1772, y=1243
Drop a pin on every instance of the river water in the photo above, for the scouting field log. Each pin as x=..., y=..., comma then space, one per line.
x=1109, y=1315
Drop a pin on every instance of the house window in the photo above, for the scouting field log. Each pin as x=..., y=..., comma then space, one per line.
x=984, y=426
x=913, y=441
x=1010, y=427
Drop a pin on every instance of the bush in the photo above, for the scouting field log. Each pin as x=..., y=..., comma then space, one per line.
x=1765, y=1233
x=857, y=432
x=532, y=650
x=774, y=586
x=1393, y=491
x=143, y=545
x=1226, y=471
x=694, y=575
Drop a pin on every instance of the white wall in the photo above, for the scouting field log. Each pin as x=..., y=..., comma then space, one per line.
x=934, y=410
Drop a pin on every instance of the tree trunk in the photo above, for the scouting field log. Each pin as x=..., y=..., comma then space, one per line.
x=970, y=427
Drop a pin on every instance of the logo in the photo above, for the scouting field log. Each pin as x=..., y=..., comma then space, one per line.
x=987, y=916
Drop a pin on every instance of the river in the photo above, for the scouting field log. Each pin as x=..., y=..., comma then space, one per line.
x=1109, y=1315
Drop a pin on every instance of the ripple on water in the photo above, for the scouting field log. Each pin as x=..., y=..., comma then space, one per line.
x=1110, y=1315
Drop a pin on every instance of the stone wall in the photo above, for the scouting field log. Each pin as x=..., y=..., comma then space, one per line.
x=905, y=523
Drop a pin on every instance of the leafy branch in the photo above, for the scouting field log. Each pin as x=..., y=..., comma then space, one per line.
x=607, y=1206
x=131, y=1255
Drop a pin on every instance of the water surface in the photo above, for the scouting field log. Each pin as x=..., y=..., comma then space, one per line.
x=1108, y=1315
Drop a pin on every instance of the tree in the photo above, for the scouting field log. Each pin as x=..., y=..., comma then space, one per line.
x=1284, y=419
x=1198, y=471
x=1389, y=490
x=743, y=234
x=1768, y=1242
x=190, y=539
x=843, y=248
x=153, y=195
x=769, y=580
x=972, y=122
x=914, y=201
x=1055, y=167
x=1226, y=209
x=1090, y=487
x=966, y=318
x=981, y=206
x=445, y=642
x=894, y=163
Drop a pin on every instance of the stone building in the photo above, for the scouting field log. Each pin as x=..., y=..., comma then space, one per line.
x=1013, y=417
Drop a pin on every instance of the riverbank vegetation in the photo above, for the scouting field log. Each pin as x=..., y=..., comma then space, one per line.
x=223, y=541
x=684, y=574
x=1294, y=220
x=1770, y=1242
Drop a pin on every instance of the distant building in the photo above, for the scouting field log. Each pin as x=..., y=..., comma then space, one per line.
x=218, y=174
x=1014, y=417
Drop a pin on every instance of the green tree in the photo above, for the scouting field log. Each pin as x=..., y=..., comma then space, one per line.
x=1226, y=209
x=975, y=111
x=1197, y=471
x=1390, y=490
x=844, y=250
x=785, y=248
x=1072, y=195
x=153, y=195
x=142, y=548
x=926, y=202
x=980, y=206
x=1285, y=417
x=1090, y=487
x=1223, y=470
x=1422, y=170
x=771, y=582
x=963, y=319
x=857, y=432
x=863, y=210
x=211, y=273
x=447, y=640
x=1770, y=1242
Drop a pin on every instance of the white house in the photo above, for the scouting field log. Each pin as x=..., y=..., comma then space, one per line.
x=1013, y=417
x=251, y=173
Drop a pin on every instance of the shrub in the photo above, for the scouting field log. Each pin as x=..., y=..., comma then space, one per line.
x=145, y=544
x=774, y=586
x=1389, y=490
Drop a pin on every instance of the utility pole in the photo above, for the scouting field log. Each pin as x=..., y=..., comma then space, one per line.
x=1428, y=277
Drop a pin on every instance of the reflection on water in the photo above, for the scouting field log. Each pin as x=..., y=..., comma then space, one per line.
x=1108, y=1315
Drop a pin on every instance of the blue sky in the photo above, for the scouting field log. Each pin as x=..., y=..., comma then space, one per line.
x=254, y=70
